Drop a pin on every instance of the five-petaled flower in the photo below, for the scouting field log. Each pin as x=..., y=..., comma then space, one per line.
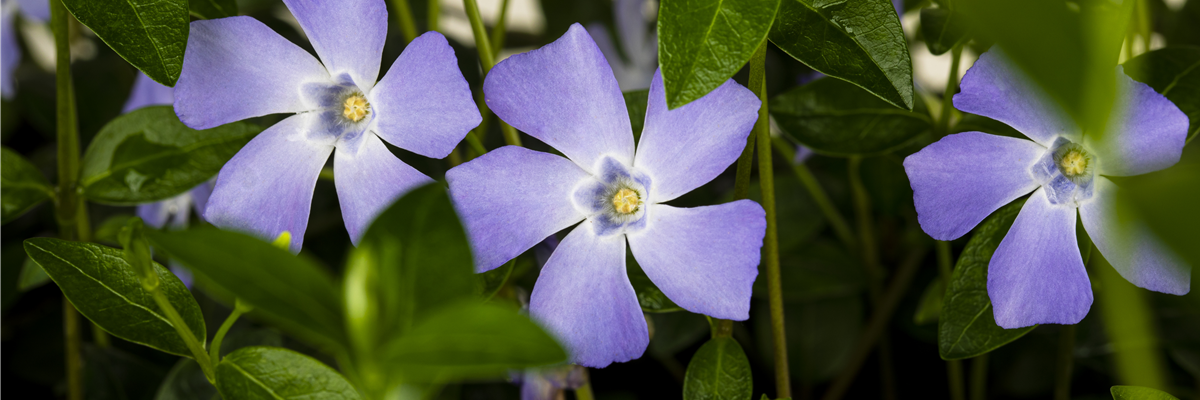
x=237, y=68
x=1037, y=274
x=705, y=259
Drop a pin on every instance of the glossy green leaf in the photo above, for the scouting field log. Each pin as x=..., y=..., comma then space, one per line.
x=149, y=155
x=860, y=42
x=150, y=34
x=1166, y=202
x=702, y=43
x=966, y=327
x=32, y=276
x=1139, y=393
x=272, y=373
x=636, y=104
x=930, y=306
x=470, y=340
x=290, y=291
x=1173, y=72
x=185, y=381
x=209, y=9
x=719, y=370
x=105, y=289
x=22, y=185
x=835, y=117
x=943, y=29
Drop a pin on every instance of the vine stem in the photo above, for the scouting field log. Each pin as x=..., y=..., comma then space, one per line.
x=766, y=180
x=487, y=59
x=239, y=308
x=435, y=11
x=840, y=227
x=953, y=367
x=943, y=126
x=67, y=204
x=185, y=333
x=979, y=367
x=405, y=18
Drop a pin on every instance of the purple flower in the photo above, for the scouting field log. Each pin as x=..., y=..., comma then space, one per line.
x=1037, y=275
x=640, y=50
x=705, y=259
x=10, y=51
x=237, y=68
x=548, y=383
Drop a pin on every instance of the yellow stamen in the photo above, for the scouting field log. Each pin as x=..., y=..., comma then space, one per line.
x=1073, y=163
x=626, y=201
x=357, y=108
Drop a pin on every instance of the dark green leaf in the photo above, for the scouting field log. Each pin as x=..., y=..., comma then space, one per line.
x=291, y=291
x=821, y=334
x=676, y=331
x=112, y=374
x=834, y=117
x=858, y=41
x=470, y=340
x=106, y=290
x=22, y=186
x=650, y=297
x=818, y=270
x=185, y=382
x=493, y=281
x=635, y=103
x=148, y=155
x=1166, y=202
x=931, y=303
x=1139, y=393
x=702, y=43
x=719, y=370
x=979, y=123
x=1173, y=72
x=943, y=29
x=272, y=373
x=209, y=9
x=32, y=276
x=150, y=34
x=966, y=327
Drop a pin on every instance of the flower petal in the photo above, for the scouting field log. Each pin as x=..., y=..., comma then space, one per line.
x=347, y=35
x=1132, y=250
x=959, y=180
x=267, y=187
x=147, y=92
x=154, y=214
x=684, y=148
x=511, y=198
x=565, y=95
x=368, y=180
x=423, y=104
x=704, y=259
x=1036, y=275
x=236, y=68
x=1146, y=132
x=997, y=89
x=583, y=297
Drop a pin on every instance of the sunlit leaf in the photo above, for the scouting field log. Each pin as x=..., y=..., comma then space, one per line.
x=272, y=373
x=150, y=34
x=1139, y=393
x=22, y=185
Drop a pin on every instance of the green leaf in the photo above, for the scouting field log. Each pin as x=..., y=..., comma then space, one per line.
x=860, y=42
x=112, y=373
x=931, y=303
x=209, y=9
x=185, y=381
x=943, y=29
x=290, y=291
x=966, y=327
x=636, y=104
x=32, y=276
x=470, y=340
x=148, y=155
x=650, y=297
x=1139, y=393
x=492, y=281
x=150, y=34
x=701, y=44
x=272, y=373
x=835, y=117
x=22, y=185
x=719, y=370
x=105, y=289
x=1173, y=72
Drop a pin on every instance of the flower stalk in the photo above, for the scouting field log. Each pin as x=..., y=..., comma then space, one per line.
x=943, y=123
x=487, y=59
x=405, y=18
x=953, y=367
x=841, y=228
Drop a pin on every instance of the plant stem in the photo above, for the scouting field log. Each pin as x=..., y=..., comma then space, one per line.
x=239, y=308
x=185, y=333
x=870, y=252
x=487, y=59
x=766, y=180
x=435, y=11
x=405, y=18
x=840, y=227
x=498, y=31
x=73, y=343
x=943, y=126
x=1066, y=361
x=1128, y=320
x=979, y=367
x=953, y=367
x=954, y=373
x=67, y=205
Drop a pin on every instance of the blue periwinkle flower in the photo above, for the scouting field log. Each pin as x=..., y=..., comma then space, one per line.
x=1037, y=275
x=705, y=259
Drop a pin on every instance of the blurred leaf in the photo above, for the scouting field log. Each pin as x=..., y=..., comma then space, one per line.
x=943, y=29
x=1139, y=393
x=719, y=370
x=966, y=327
x=150, y=34
x=821, y=335
x=105, y=289
x=272, y=373
x=1173, y=72
x=702, y=43
x=492, y=281
x=635, y=103
x=108, y=230
x=835, y=117
x=209, y=9
x=32, y=276
x=148, y=155
x=112, y=374
x=931, y=303
x=22, y=185
x=1166, y=202
x=818, y=270
x=291, y=291
x=186, y=382
x=650, y=297
x=470, y=340
x=247, y=337
x=860, y=42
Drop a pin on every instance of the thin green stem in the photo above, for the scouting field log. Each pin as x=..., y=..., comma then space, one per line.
x=487, y=59
x=1065, y=362
x=405, y=18
x=979, y=367
x=840, y=227
x=435, y=11
x=953, y=367
x=239, y=308
x=745, y=163
x=766, y=180
x=954, y=371
x=74, y=360
x=67, y=206
x=943, y=126
x=499, y=31
x=870, y=253
x=185, y=333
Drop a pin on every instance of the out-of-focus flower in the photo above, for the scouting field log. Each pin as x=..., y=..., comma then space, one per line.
x=237, y=68
x=705, y=259
x=636, y=69
x=1037, y=275
x=10, y=51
